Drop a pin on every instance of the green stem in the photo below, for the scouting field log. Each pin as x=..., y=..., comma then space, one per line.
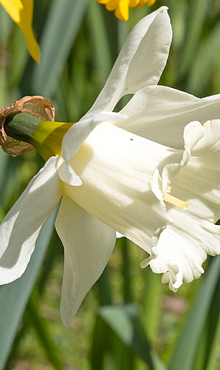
x=42, y=332
x=21, y=126
x=127, y=291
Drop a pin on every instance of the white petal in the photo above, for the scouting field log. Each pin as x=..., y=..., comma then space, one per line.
x=184, y=245
x=118, y=235
x=67, y=174
x=116, y=170
x=198, y=182
x=193, y=132
x=140, y=62
x=166, y=124
x=88, y=244
x=80, y=130
x=210, y=144
x=73, y=140
x=124, y=179
x=22, y=225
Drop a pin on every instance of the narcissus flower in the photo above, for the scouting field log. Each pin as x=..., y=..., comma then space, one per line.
x=150, y=172
x=121, y=7
x=21, y=11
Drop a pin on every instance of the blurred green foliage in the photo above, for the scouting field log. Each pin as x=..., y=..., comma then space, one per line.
x=129, y=320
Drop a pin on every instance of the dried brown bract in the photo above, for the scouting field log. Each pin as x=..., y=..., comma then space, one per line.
x=36, y=105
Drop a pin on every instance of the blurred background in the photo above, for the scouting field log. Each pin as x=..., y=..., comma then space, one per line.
x=129, y=320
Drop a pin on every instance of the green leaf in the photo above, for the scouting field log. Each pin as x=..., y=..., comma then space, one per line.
x=213, y=359
x=40, y=326
x=151, y=302
x=20, y=56
x=59, y=34
x=14, y=296
x=100, y=45
x=205, y=59
x=104, y=288
x=125, y=323
x=185, y=351
x=207, y=350
x=6, y=25
x=197, y=14
x=126, y=271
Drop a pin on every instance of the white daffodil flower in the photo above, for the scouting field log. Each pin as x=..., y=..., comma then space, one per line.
x=150, y=172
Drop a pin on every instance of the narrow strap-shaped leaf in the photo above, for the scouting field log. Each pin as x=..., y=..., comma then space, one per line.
x=204, y=61
x=60, y=31
x=6, y=24
x=101, y=47
x=104, y=288
x=207, y=344
x=151, y=302
x=213, y=360
x=185, y=350
x=41, y=329
x=126, y=271
x=126, y=324
x=197, y=14
x=14, y=296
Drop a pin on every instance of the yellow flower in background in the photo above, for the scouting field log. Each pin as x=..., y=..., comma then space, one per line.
x=21, y=11
x=121, y=7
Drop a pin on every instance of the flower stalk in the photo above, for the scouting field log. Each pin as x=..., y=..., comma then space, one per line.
x=36, y=106
x=21, y=126
x=45, y=136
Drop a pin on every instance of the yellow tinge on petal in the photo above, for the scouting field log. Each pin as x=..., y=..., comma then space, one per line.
x=121, y=7
x=21, y=11
x=47, y=137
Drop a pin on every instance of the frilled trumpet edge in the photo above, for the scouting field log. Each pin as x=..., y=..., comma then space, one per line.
x=180, y=248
